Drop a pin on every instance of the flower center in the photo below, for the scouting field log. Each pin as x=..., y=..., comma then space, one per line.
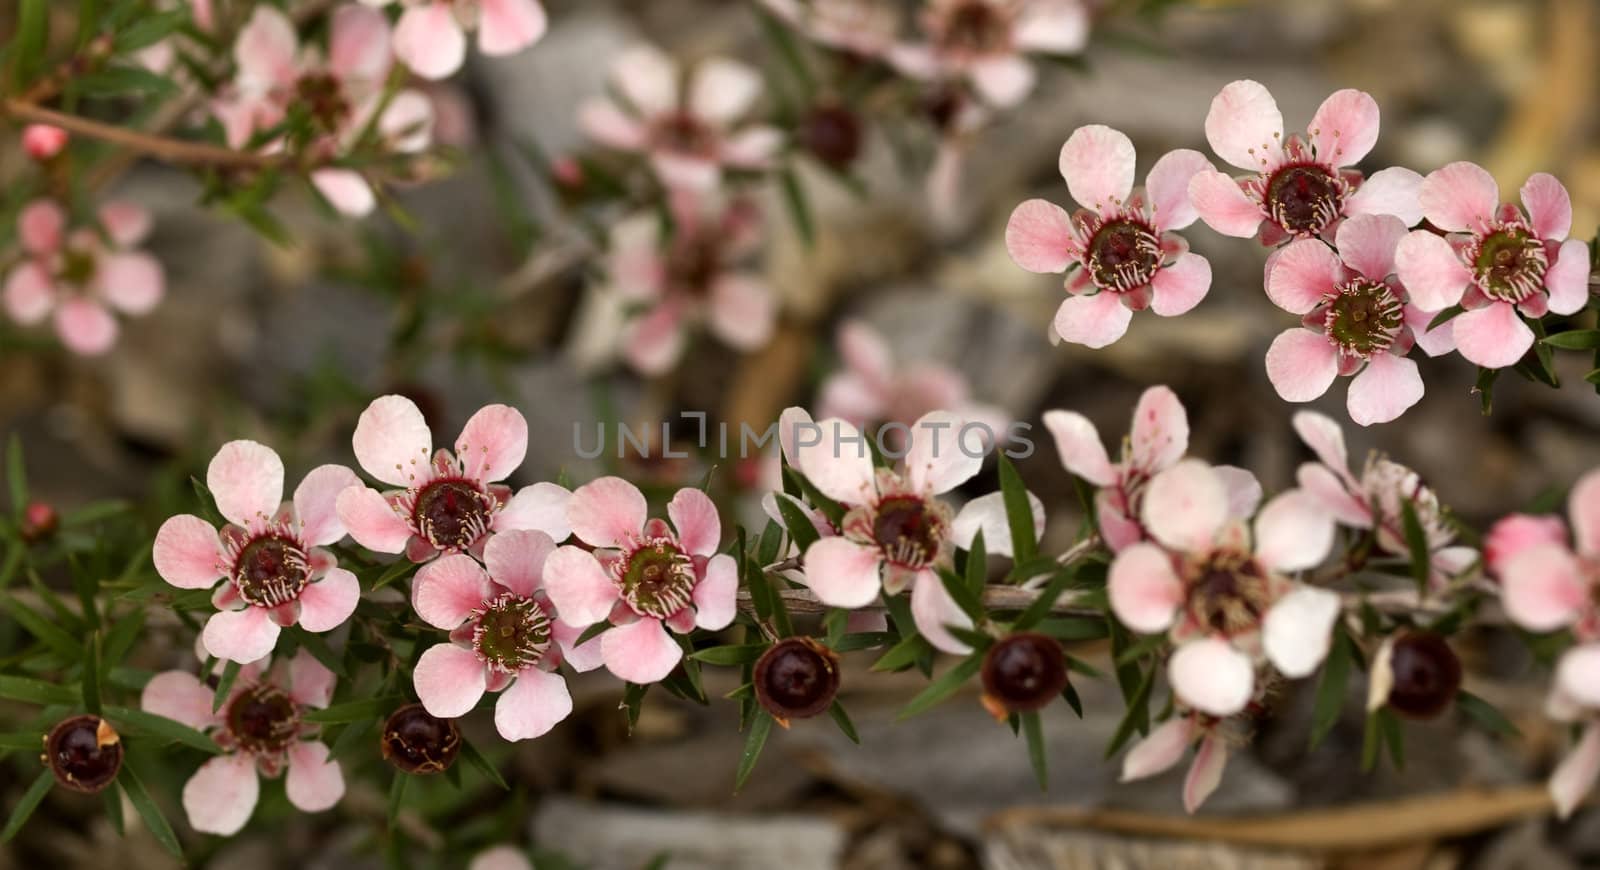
x=271, y=570
x=1123, y=255
x=1364, y=317
x=692, y=264
x=452, y=514
x=511, y=632
x=323, y=98
x=1510, y=263
x=908, y=530
x=1305, y=198
x=975, y=28
x=263, y=719
x=683, y=133
x=77, y=267
x=657, y=578
x=1227, y=593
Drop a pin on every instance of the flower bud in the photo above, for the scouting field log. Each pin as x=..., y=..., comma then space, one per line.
x=42, y=141
x=1023, y=672
x=84, y=753
x=796, y=679
x=416, y=741
x=1427, y=675
x=39, y=521
x=832, y=133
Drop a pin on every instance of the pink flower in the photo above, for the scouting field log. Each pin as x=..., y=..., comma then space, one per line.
x=501, y=858
x=1117, y=251
x=503, y=632
x=448, y=504
x=1357, y=320
x=270, y=552
x=77, y=279
x=431, y=36
x=861, y=27
x=983, y=42
x=1374, y=500
x=1225, y=601
x=43, y=141
x=341, y=95
x=897, y=533
x=1160, y=437
x=690, y=277
x=644, y=576
x=1547, y=585
x=262, y=731
x=1515, y=533
x=690, y=134
x=871, y=390
x=1165, y=746
x=1302, y=188
x=1496, y=260
x=1576, y=700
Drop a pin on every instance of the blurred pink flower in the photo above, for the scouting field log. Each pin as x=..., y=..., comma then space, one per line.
x=1301, y=188
x=43, y=141
x=453, y=501
x=501, y=858
x=262, y=732
x=1496, y=261
x=690, y=133
x=1166, y=745
x=341, y=95
x=431, y=37
x=1117, y=250
x=80, y=276
x=1357, y=320
x=984, y=42
x=505, y=636
x=643, y=576
x=1222, y=594
x=863, y=27
x=674, y=282
x=271, y=553
x=1546, y=584
x=1575, y=699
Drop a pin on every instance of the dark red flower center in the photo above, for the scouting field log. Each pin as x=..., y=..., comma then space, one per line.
x=84, y=753
x=416, y=741
x=1304, y=198
x=263, y=719
x=908, y=530
x=271, y=570
x=322, y=96
x=1427, y=675
x=1024, y=671
x=832, y=133
x=657, y=578
x=693, y=264
x=683, y=133
x=1227, y=593
x=1123, y=255
x=511, y=633
x=1510, y=263
x=1364, y=317
x=976, y=27
x=797, y=678
x=452, y=514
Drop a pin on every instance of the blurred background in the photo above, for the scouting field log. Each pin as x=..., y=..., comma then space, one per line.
x=488, y=298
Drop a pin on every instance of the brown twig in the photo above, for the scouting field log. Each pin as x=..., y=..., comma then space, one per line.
x=159, y=147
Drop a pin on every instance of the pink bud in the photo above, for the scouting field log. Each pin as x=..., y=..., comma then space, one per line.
x=39, y=521
x=43, y=141
x=567, y=172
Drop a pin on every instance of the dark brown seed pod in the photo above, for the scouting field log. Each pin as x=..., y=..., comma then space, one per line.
x=1427, y=675
x=84, y=753
x=796, y=679
x=832, y=133
x=1023, y=672
x=416, y=741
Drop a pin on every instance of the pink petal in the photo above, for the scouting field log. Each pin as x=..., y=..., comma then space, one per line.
x=1004, y=80
x=834, y=457
x=1052, y=27
x=240, y=636
x=1326, y=440
x=1211, y=676
x=448, y=589
x=1160, y=433
x=648, y=78
x=1185, y=506
x=1093, y=321
x=310, y=681
x=1097, y=163
x=1434, y=342
x=722, y=90
x=43, y=141
x=1384, y=389
x=501, y=858
x=29, y=293
x=1301, y=274
x=1576, y=775
x=1301, y=364
x=987, y=513
x=865, y=352
x=246, y=479
x=1118, y=529
x=1244, y=491
x=1430, y=270
x=1549, y=206
x=1345, y=127
x=1319, y=482
x=188, y=553
x=1167, y=187
x=372, y=521
x=940, y=457
x=1159, y=751
x=582, y=657
x=1180, y=286
x=1205, y=772
x=515, y=560
x=1038, y=237
x=429, y=40
x=1145, y=591
x=743, y=310
x=1293, y=532
x=532, y=706
x=1391, y=191
x=346, y=190
x=493, y=443
x=1367, y=244
x=1517, y=532
x=695, y=518
x=1493, y=336
x=1222, y=205
x=1543, y=587
x=85, y=327
x=327, y=603
x=181, y=697
x=392, y=441
x=653, y=343
x=1459, y=197
x=316, y=503
x=509, y=26
x=601, y=120
x=1078, y=444
x=222, y=794
x=266, y=50
x=1578, y=674
x=1298, y=630
x=541, y=507
x=752, y=147
x=358, y=45
x=1584, y=507
x=716, y=595
x=131, y=282
x=932, y=609
x=607, y=512
x=843, y=573
x=449, y=680
x=1568, y=278
x=685, y=172
x=314, y=782
x=641, y=652
x=40, y=226
x=578, y=586
x=1244, y=126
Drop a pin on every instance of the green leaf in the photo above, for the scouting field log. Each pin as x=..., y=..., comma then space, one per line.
x=799, y=526
x=397, y=794
x=842, y=719
x=26, y=806
x=149, y=30
x=1444, y=317
x=1073, y=628
x=48, y=633
x=28, y=46
x=22, y=741
x=476, y=758
x=1485, y=388
x=977, y=565
x=153, y=819
x=1576, y=339
x=1070, y=695
x=1048, y=596
x=392, y=573
x=1484, y=715
x=319, y=649
x=1394, y=736
x=119, y=81
x=1416, y=542
x=943, y=687
x=771, y=540
x=903, y=654
x=733, y=654
x=36, y=691
x=1137, y=717
x=863, y=640
x=754, y=740
x=961, y=594
x=814, y=497
x=1019, y=511
x=113, y=805
x=230, y=673
x=799, y=209
x=355, y=711
x=91, y=674
x=788, y=49
x=1035, y=734
x=16, y=473
x=160, y=726
x=1331, y=689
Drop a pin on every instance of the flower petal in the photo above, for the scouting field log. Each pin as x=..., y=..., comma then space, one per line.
x=1459, y=197
x=607, y=512
x=1167, y=187
x=358, y=45
x=987, y=513
x=188, y=553
x=1293, y=532
x=579, y=588
x=1301, y=364
x=1097, y=163
x=1205, y=772
x=1078, y=444
x=1222, y=205
x=132, y=282
x=532, y=706
x=1578, y=674
x=1367, y=243
x=1160, y=750
x=222, y=794
x=1145, y=590
x=40, y=227
x=1298, y=630
x=1302, y=275
x=392, y=442
x=1517, y=532
x=246, y=479
x=1493, y=336
x=939, y=458
x=1576, y=775
x=1093, y=321
x=448, y=589
x=1391, y=191
x=1549, y=206
x=1543, y=587
x=933, y=610
x=429, y=40
x=493, y=443
x=240, y=636
x=722, y=90
x=371, y=520
x=316, y=503
x=181, y=697
x=1160, y=433
x=843, y=573
x=640, y=652
x=327, y=603
x=1211, y=676
x=716, y=595
x=508, y=26
x=1431, y=271
x=346, y=190
x=1185, y=506
x=314, y=782
x=541, y=507
x=743, y=310
x=1244, y=125
x=1567, y=279
x=1179, y=287
x=1345, y=127
x=1384, y=389
x=449, y=680
x=601, y=120
x=515, y=560
x=837, y=462
x=1003, y=80
x=310, y=681
x=1039, y=237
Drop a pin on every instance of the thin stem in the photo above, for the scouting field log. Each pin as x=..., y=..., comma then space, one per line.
x=159, y=147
